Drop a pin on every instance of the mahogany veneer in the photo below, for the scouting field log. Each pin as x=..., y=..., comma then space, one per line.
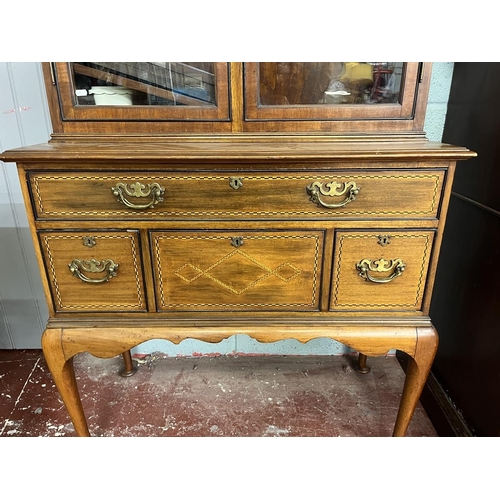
x=274, y=235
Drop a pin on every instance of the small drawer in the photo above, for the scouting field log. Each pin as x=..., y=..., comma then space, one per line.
x=380, y=271
x=405, y=194
x=237, y=270
x=94, y=271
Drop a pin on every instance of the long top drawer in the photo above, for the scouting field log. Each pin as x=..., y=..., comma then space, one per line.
x=156, y=195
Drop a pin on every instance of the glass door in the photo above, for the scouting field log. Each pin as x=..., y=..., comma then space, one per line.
x=330, y=91
x=149, y=91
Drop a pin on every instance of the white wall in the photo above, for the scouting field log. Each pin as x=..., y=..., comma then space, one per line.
x=24, y=120
x=442, y=74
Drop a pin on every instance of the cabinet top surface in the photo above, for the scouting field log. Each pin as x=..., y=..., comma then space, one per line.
x=247, y=149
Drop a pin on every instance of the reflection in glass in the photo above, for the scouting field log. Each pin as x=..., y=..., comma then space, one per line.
x=144, y=83
x=306, y=83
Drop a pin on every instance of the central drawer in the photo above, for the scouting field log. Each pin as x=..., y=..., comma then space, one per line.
x=139, y=195
x=238, y=270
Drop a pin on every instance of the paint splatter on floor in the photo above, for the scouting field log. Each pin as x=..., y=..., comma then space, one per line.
x=270, y=396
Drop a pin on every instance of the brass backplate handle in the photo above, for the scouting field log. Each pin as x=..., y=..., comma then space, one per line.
x=78, y=267
x=365, y=266
x=138, y=190
x=333, y=189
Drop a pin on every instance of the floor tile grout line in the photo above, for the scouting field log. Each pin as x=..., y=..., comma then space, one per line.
x=20, y=394
x=18, y=360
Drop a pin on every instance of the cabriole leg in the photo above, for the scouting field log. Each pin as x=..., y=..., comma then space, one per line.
x=419, y=366
x=64, y=378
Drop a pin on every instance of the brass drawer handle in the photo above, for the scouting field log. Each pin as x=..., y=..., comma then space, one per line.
x=93, y=266
x=348, y=189
x=397, y=266
x=138, y=190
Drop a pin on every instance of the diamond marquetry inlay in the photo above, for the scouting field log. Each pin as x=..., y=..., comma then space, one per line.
x=237, y=272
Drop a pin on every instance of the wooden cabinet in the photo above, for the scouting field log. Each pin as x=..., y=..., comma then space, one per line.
x=222, y=203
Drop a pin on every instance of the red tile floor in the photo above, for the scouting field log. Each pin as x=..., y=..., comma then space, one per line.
x=208, y=396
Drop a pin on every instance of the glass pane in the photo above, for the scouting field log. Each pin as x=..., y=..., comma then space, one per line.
x=306, y=83
x=144, y=83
